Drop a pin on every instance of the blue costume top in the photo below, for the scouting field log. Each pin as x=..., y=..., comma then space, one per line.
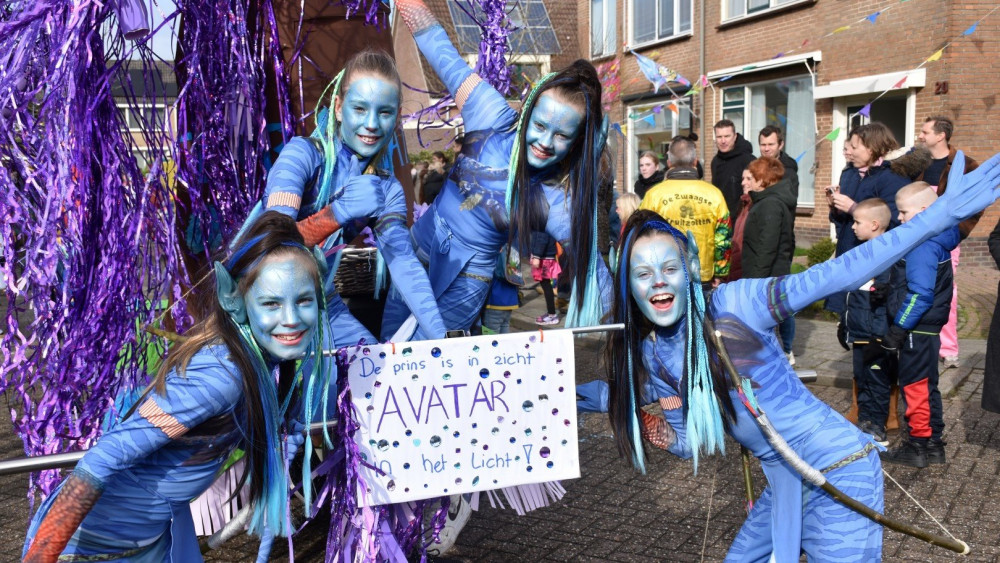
x=792, y=515
x=292, y=188
x=149, y=467
x=462, y=233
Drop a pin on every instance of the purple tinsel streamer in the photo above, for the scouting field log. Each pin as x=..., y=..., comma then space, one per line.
x=494, y=43
x=388, y=531
x=370, y=8
x=80, y=224
x=491, y=66
x=91, y=242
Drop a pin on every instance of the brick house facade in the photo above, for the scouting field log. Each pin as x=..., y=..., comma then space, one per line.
x=817, y=85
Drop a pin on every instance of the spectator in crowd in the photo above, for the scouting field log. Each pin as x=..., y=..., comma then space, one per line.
x=739, y=226
x=544, y=269
x=991, y=377
x=735, y=153
x=772, y=144
x=649, y=173
x=768, y=241
x=868, y=176
x=419, y=172
x=935, y=134
x=693, y=205
x=627, y=205
x=694, y=139
x=435, y=176
x=866, y=322
x=919, y=299
x=504, y=294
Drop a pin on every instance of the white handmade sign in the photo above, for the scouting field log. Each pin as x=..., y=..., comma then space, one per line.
x=443, y=417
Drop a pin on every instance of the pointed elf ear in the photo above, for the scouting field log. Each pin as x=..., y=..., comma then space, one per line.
x=324, y=268
x=694, y=261
x=602, y=135
x=228, y=295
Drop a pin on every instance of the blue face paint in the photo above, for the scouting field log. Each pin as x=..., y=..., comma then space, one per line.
x=282, y=308
x=367, y=114
x=657, y=280
x=552, y=129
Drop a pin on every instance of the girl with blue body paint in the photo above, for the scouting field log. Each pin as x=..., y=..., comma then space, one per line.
x=128, y=498
x=515, y=174
x=665, y=354
x=340, y=178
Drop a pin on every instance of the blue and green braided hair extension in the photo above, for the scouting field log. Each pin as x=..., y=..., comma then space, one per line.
x=702, y=410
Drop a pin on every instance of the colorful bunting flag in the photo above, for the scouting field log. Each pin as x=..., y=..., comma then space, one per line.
x=802, y=154
x=900, y=83
x=936, y=56
x=971, y=30
x=872, y=17
x=832, y=135
x=839, y=29
x=672, y=107
x=658, y=74
x=866, y=111
x=704, y=81
x=650, y=120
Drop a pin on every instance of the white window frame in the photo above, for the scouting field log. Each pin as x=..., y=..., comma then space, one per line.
x=609, y=16
x=772, y=5
x=677, y=17
x=751, y=136
x=632, y=159
x=127, y=112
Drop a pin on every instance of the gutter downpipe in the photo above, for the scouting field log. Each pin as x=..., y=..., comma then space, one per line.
x=701, y=72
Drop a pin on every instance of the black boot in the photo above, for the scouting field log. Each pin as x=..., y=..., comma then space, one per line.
x=935, y=451
x=908, y=452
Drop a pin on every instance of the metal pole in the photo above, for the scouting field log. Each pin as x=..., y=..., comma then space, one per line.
x=31, y=464
x=59, y=461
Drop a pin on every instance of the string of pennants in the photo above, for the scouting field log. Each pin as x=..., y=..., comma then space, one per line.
x=661, y=77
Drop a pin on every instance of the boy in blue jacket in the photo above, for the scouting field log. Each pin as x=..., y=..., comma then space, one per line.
x=919, y=300
x=866, y=321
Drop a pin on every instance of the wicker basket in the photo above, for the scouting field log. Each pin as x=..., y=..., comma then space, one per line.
x=356, y=274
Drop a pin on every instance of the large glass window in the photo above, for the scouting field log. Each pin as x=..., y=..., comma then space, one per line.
x=650, y=128
x=787, y=104
x=653, y=20
x=739, y=8
x=603, y=28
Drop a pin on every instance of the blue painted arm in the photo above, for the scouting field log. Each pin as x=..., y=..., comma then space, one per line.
x=977, y=190
x=298, y=164
x=481, y=105
x=657, y=388
x=393, y=239
x=209, y=387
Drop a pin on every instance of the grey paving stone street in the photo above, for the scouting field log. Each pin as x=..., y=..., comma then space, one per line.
x=612, y=513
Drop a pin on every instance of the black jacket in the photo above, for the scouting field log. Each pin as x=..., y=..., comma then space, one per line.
x=642, y=185
x=768, y=239
x=433, y=182
x=866, y=316
x=727, y=171
x=791, y=173
x=542, y=245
